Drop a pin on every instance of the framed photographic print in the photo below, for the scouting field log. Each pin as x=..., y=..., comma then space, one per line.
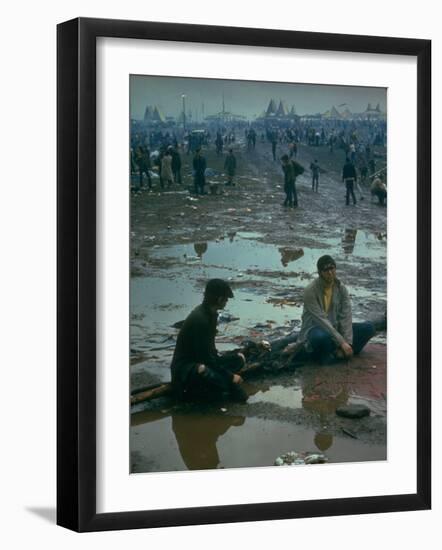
x=243, y=274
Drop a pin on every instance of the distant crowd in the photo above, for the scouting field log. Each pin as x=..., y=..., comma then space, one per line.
x=158, y=154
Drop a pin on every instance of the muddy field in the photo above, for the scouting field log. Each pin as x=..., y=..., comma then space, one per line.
x=268, y=254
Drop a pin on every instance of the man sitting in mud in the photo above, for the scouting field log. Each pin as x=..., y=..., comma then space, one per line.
x=327, y=331
x=199, y=372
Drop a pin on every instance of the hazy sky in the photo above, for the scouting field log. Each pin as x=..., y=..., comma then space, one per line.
x=244, y=97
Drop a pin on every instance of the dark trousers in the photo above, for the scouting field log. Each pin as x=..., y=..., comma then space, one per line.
x=315, y=183
x=199, y=182
x=349, y=186
x=381, y=194
x=177, y=175
x=274, y=150
x=291, y=198
x=323, y=345
x=214, y=381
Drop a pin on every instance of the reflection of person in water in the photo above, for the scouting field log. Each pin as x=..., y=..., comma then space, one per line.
x=348, y=240
x=200, y=249
x=323, y=440
x=197, y=437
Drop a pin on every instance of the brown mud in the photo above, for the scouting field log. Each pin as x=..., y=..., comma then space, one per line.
x=268, y=254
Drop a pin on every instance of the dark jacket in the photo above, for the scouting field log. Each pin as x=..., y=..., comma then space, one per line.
x=230, y=165
x=349, y=171
x=176, y=161
x=298, y=168
x=289, y=173
x=195, y=344
x=199, y=165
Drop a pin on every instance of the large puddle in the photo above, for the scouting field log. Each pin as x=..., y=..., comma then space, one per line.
x=244, y=251
x=196, y=442
x=171, y=436
x=267, y=280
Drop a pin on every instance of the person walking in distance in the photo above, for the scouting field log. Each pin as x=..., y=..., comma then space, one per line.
x=230, y=167
x=314, y=167
x=199, y=169
x=349, y=177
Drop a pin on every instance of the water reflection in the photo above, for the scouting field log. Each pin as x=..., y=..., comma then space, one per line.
x=290, y=255
x=323, y=440
x=197, y=437
x=200, y=249
x=348, y=240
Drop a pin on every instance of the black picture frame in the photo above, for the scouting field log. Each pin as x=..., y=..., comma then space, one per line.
x=77, y=287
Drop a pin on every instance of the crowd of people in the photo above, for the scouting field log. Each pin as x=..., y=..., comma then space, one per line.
x=158, y=154
x=327, y=332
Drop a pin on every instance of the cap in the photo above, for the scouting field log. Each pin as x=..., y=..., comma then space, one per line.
x=217, y=288
x=325, y=261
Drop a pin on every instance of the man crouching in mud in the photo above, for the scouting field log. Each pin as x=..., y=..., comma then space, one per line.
x=327, y=332
x=199, y=372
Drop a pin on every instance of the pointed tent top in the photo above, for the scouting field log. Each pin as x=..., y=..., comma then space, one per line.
x=378, y=108
x=158, y=114
x=334, y=113
x=153, y=114
x=282, y=111
x=271, y=109
x=369, y=107
x=293, y=110
x=148, y=113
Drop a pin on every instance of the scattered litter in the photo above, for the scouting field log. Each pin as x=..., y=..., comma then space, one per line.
x=282, y=302
x=227, y=318
x=223, y=410
x=349, y=433
x=210, y=172
x=315, y=459
x=353, y=411
x=293, y=458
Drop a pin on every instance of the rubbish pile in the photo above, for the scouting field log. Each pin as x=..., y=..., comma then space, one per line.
x=293, y=458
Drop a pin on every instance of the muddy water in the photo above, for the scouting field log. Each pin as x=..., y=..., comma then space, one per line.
x=195, y=442
x=288, y=412
x=267, y=282
x=268, y=254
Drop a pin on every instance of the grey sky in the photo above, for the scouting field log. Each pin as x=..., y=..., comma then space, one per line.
x=244, y=97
